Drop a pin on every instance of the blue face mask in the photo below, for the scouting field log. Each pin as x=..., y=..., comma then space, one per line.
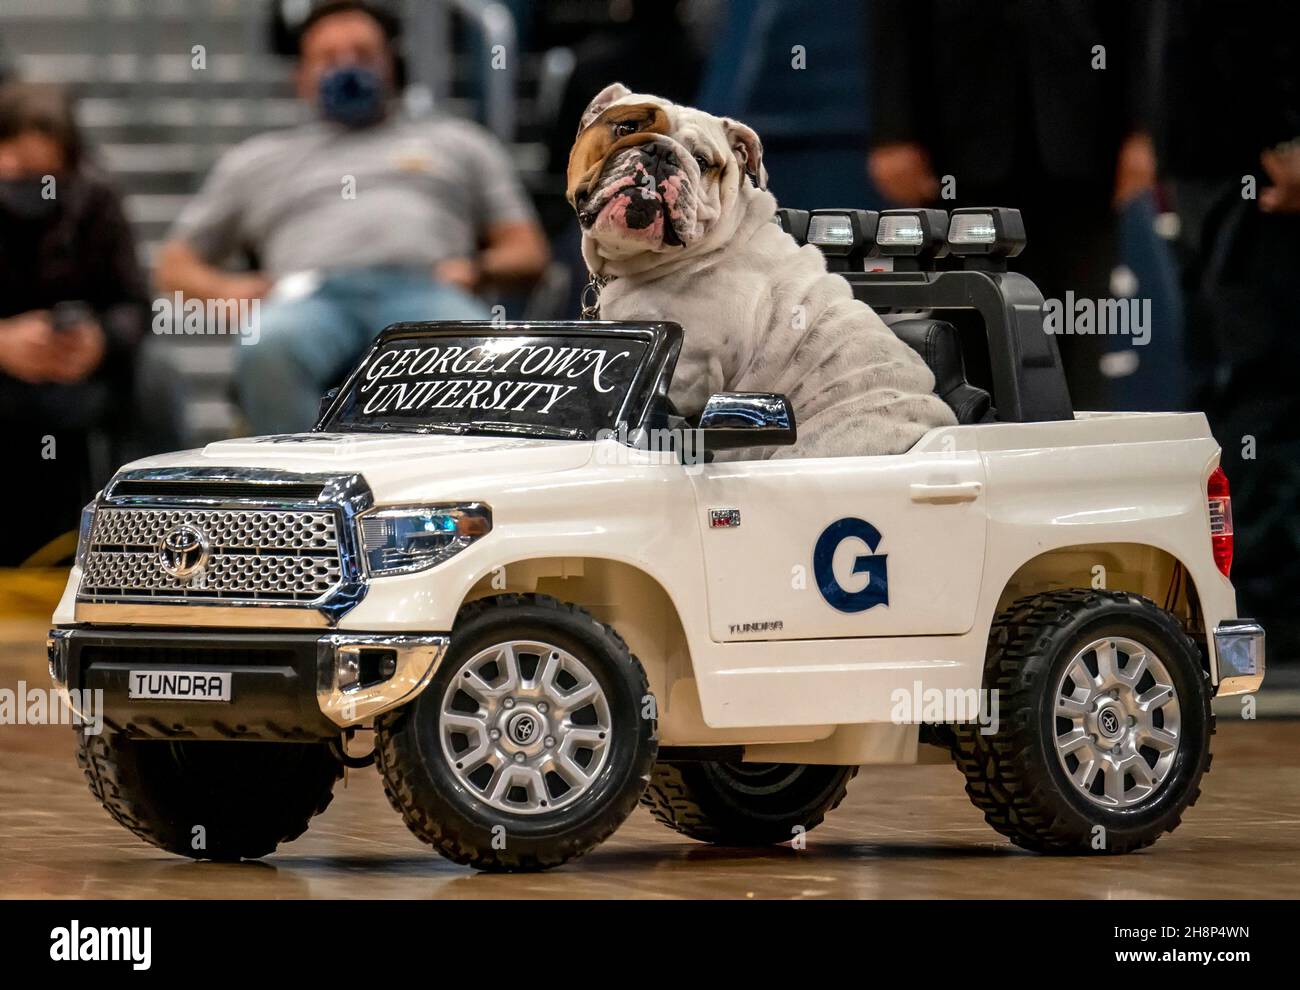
x=353, y=96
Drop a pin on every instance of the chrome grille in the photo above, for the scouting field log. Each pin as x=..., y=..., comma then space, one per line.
x=235, y=529
x=281, y=555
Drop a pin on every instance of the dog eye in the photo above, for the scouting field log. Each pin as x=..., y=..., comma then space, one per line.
x=703, y=162
x=625, y=127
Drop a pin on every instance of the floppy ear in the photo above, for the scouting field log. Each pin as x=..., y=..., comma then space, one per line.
x=612, y=92
x=748, y=150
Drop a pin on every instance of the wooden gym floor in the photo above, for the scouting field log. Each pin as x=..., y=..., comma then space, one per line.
x=902, y=832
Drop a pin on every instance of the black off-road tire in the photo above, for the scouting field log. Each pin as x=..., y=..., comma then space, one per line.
x=1015, y=775
x=744, y=804
x=438, y=809
x=209, y=800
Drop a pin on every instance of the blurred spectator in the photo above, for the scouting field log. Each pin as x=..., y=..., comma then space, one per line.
x=808, y=101
x=359, y=219
x=6, y=64
x=1227, y=128
x=1012, y=101
x=73, y=306
x=646, y=45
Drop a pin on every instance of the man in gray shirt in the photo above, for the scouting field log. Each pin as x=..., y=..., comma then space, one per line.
x=358, y=219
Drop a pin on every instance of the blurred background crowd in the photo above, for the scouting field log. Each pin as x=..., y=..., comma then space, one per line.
x=347, y=165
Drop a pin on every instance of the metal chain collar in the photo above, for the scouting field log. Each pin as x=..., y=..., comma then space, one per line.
x=591, y=295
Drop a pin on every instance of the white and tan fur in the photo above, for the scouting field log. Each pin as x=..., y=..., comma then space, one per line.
x=760, y=313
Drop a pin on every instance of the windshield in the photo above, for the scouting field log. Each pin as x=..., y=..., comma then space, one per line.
x=564, y=386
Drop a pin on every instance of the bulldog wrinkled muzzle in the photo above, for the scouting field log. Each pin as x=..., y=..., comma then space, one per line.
x=643, y=193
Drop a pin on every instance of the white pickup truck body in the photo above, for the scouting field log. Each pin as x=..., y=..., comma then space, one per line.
x=505, y=552
x=970, y=518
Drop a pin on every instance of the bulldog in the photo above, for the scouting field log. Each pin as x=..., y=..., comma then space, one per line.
x=677, y=223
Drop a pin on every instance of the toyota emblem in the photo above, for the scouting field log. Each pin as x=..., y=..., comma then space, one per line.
x=183, y=551
x=522, y=729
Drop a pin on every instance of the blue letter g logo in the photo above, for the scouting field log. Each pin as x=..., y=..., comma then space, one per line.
x=873, y=565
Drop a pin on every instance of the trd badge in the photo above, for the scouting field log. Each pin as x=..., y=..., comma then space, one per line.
x=872, y=564
x=724, y=518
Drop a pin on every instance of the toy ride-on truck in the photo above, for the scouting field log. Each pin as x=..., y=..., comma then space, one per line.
x=504, y=570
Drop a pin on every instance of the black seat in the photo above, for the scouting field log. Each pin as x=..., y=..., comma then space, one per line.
x=939, y=345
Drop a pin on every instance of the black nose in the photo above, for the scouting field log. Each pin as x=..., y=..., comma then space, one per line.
x=662, y=155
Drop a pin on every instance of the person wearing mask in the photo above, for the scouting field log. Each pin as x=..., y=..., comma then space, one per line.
x=73, y=306
x=360, y=218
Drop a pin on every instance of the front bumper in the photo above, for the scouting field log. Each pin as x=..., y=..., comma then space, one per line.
x=285, y=686
x=1239, y=648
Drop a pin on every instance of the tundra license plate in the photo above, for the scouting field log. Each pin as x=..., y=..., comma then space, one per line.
x=179, y=685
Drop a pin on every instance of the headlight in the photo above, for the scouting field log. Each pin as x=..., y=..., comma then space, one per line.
x=844, y=236
x=993, y=231
x=398, y=541
x=831, y=230
x=83, y=532
x=912, y=232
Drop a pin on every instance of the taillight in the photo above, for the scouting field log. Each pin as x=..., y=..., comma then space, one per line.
x=1219, y=497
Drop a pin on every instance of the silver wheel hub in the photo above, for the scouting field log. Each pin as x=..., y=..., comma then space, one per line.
x=1117, y=722
x=525, y=727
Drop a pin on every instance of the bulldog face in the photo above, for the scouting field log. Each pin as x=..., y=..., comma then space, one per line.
x=648, y=176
